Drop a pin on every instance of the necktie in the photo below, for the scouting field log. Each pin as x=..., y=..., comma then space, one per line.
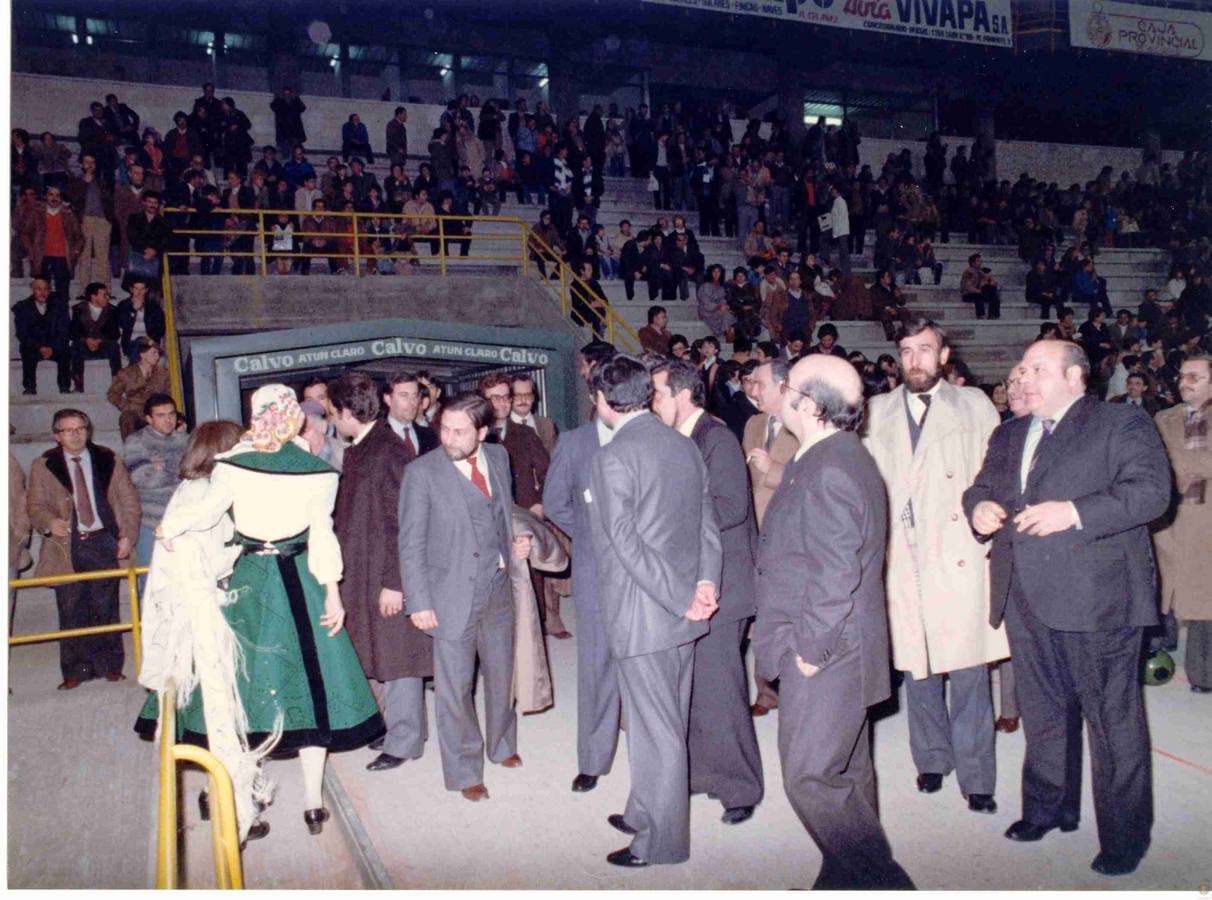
x=770, y=432
x=1048, y=425
x=925, y=398
x=407, y=435
x=84, y=506
x=478, y=479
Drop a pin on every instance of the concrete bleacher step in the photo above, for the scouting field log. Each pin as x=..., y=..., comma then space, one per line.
x=32, y=415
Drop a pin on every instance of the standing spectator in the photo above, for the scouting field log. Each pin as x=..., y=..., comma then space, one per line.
x=180, y=146
x=589, y=188
x=27, y=206
x=1182, y=546
x=98, y=141
x=288, y=120
x=151, y=157
x=355, y=139
x=128, y=200
x=397, y=137
x=92, y=201
x=839, y=221
x=928, y=439
x=133, y=385
x=561, y=189
x=121, y=121
x=235, y=141
x=153, y=458
x=53, y=241
x=148, y=235
x=53, y=160
x=43, y=330
x=81, y=500
x=712, y=300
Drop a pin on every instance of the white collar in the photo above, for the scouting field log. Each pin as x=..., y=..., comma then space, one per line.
x=627, y=417
x=528, y=420
x=361, y=434
x=604, y=432
x=807, y=445
x=687, y=427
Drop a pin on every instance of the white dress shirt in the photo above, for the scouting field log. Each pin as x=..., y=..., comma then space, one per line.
x=406, y=428
x=86, y=463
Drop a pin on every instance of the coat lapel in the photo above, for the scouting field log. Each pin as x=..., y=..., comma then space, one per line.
x=1056, y=447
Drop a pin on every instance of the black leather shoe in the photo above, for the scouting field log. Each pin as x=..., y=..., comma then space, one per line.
x=982, y=803
x=1067, y=827
x=257, y=831
x=1105, y=864
x=618, y=822
x=315, y=819
x=929, y=782
x=584, y=783
x=377, y=743
x=204, y=806
x=626, y=859
x=1026, y=832
x=385, y=761
x=1200, y=689
x=735, y=815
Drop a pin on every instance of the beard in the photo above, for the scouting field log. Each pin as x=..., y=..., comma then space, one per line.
x=456, y=454
x=918, y=381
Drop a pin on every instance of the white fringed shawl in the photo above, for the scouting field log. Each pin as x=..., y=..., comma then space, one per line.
x=186, y=638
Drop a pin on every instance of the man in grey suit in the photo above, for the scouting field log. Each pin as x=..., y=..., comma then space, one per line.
x=659, y=558
x=564, y=502
x=456, y=527
x=725, y=762
x=821, y=624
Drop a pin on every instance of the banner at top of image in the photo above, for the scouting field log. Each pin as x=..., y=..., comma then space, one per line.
x=1133, y=28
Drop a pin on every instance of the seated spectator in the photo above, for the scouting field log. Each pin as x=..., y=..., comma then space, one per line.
x=686, y=263
x=139, y=316
x=757, y=248
x=1088, y=288
x=1195, y=304
x=355, y=139
x=657, y=270
x=713, y=307
x=545, y=241
x=679, y=347
x=1065, y=326
x=1176, y=283
x=43, y=329
x=978, y=286
x=1121, y=329
x=799, y=317
x=922, y=260
x=363, y=182
x=850, y=298
x=654, y=337
x=269, y=164
x=773, y=292
x=826, y=342
x=94, y=333
x=888, y=304
x=132, y=386
x=315, y=232
x=297, y=168
x=580, y=246
x=1136, y=394
x=1048, y=331
x=745, y=304
x=282, y=241
x=454, y=230
x=608, y=260
x=1041, y=288
x=421, y=222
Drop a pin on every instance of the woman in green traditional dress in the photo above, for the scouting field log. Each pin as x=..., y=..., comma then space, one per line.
x=300, y=672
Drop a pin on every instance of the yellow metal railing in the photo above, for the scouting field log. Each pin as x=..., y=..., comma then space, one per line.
x=520, y=243
x=132, y=580
x=229, y=873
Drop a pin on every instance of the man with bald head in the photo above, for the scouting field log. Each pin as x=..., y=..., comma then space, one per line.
x=1067, y=494
x=821, y=626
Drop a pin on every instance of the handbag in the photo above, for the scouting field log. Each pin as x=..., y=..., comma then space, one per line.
x=653, y=184
x=825, y=221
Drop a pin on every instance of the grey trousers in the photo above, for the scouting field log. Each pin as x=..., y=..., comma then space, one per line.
x=404, y=713
x=1008, y=708
x=1198, y=658
x=724, y=758
x=597, y=694
x=489, y=636
x=656, y=701
x=961, y=740
x=825, y=749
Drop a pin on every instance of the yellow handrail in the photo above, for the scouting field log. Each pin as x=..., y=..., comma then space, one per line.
x=229, y=872
x=131, y=574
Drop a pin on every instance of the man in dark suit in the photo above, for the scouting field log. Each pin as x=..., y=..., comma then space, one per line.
x=94, y=333
x=724, y=758
x=659, y=558
x=402, y=404
x=1067, y=494
x=1137, y=394
x=741, y=407
x=565, y=503
x=392, y=650
x=42, y=325
x=456, y=530
x=527, y=456
x=821, y=623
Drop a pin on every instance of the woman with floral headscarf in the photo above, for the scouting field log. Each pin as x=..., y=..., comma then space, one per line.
x=300, y=671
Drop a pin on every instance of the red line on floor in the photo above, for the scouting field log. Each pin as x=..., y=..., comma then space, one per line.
x=1185, y=762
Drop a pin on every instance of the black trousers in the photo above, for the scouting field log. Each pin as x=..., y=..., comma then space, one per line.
x=30, y=357
x=108, y=350
x=55, y=270
x=988, y=297
x=1061, y=678
x=88, y=603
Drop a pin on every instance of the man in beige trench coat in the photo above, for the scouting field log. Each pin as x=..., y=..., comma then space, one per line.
x=1182, y=548
x=928, y=438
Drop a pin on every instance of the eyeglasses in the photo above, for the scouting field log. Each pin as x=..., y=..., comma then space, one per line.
x=80, y=429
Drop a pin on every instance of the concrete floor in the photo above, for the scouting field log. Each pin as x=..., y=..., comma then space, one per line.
x=82, y=789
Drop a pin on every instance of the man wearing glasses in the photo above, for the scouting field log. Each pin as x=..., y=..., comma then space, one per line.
x=83, y=502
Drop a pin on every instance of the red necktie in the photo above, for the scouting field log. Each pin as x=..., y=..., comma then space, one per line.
x=478, y=479
x=84, y=506
x=408, y=443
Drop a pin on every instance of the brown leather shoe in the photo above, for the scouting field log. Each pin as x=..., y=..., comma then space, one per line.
x=512, y=762
x=70, y=684
x=475, y=793
x=1007, y=725
x=114, y=676
x=759, y=710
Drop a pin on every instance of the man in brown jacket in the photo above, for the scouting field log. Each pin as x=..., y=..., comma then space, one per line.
x=53, y=241
x=128, y=200
x=83, y=503
x=134, y=384
x=768, y=448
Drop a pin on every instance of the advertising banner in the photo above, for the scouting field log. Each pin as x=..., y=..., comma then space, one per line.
x=1130, y=27
x=983, y=22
